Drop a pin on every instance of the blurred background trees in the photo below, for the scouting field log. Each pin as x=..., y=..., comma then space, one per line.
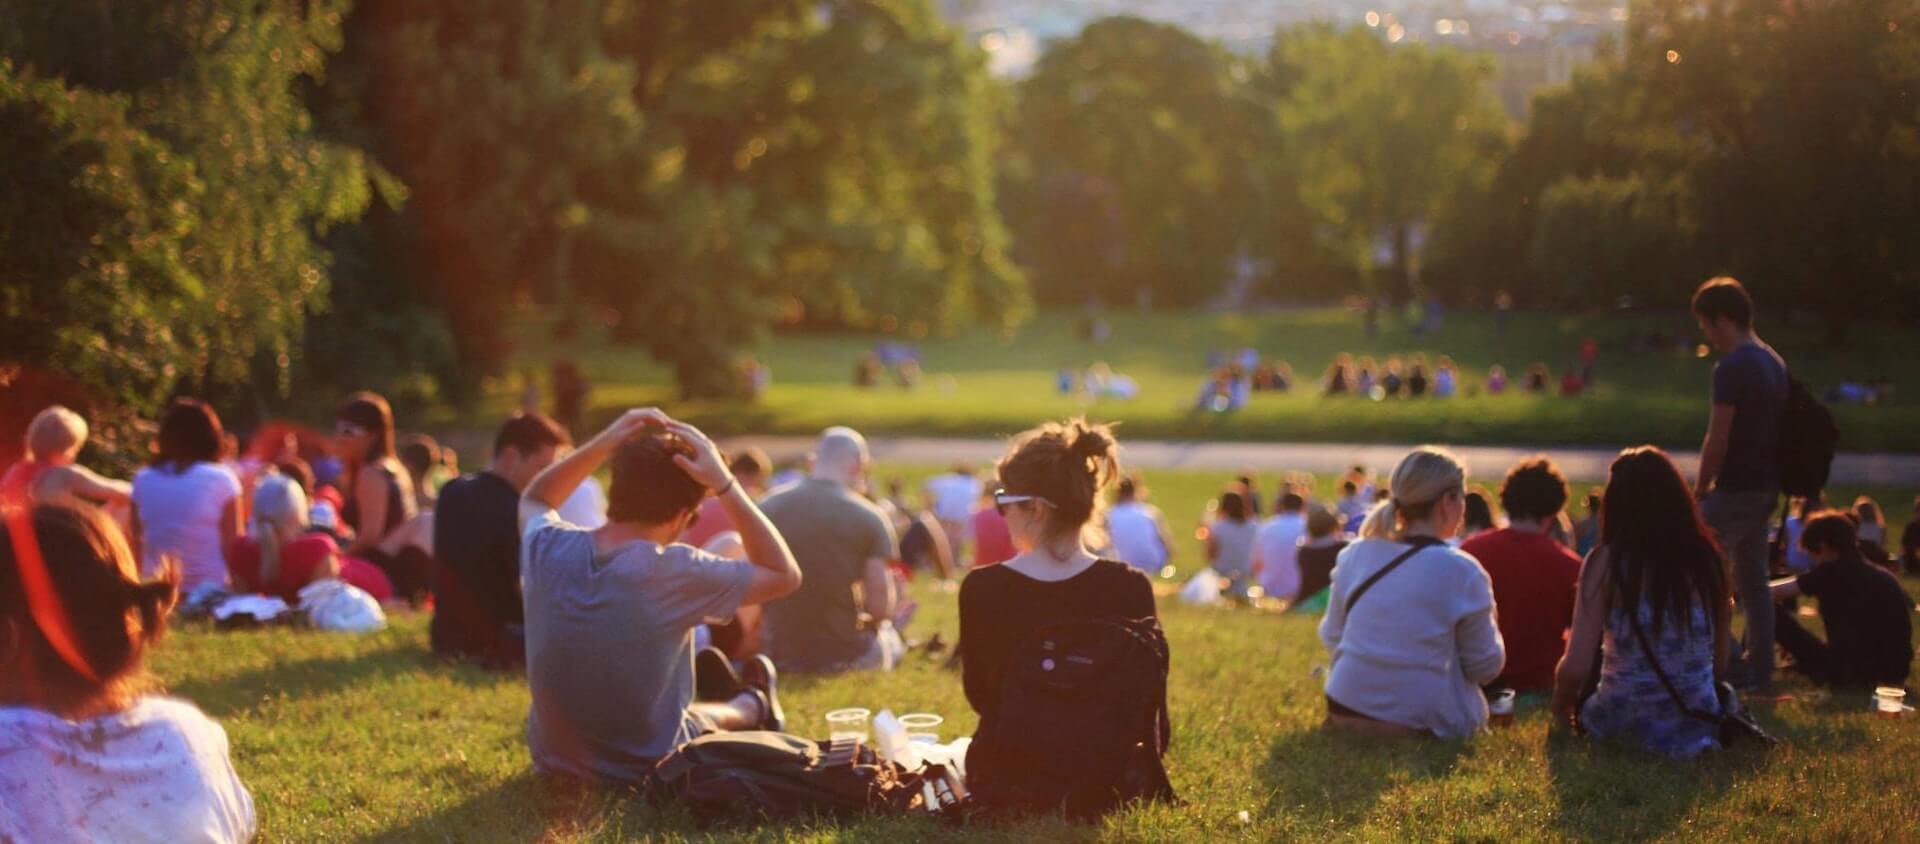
x=249, y=198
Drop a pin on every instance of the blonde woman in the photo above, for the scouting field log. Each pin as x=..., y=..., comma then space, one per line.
x=280, y=555
x=1410, y=621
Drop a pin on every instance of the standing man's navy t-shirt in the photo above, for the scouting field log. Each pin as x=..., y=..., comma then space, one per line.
x=1753, y=379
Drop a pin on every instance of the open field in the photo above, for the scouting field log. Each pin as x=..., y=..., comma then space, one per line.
x=344, y=738
x=980, y=383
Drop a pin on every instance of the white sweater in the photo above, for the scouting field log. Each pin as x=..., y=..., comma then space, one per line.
x=1420, y=642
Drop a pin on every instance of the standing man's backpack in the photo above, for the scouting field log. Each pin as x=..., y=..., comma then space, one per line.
x=756, y=775
x=1082, y=722
x=1808, y=439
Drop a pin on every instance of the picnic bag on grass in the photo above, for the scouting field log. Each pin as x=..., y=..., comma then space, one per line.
x=755, y=775
x=1082, y=723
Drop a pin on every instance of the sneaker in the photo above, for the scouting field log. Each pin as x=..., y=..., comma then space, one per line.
x=759, y=675
x=713, y=677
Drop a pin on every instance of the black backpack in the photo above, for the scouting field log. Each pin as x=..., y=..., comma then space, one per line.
x=758, y=775
x=1082, y=722
x=1808, y=439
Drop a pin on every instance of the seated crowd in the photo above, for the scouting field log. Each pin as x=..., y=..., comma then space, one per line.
x=1429, y=604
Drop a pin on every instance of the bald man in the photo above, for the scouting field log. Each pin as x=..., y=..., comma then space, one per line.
x=843, y=543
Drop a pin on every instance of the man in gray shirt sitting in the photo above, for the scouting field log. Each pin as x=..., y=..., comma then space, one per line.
x=610, y=612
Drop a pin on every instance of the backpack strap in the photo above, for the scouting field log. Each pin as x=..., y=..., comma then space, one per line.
x=1646, y=647
x=1419, y=543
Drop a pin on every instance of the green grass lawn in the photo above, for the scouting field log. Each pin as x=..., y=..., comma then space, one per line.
x=983, y=383
x=366, y=738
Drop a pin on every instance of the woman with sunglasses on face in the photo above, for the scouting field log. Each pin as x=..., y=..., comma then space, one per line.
x=86, y=752
x=1050, y=488
x=379, y=492
x=1409, y=619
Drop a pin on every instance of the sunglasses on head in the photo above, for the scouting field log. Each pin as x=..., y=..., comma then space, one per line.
x=1003, y=499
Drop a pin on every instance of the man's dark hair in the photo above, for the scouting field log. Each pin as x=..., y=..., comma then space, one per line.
x=1724, y=297
x=1833, y=530
x=751, y=462
x=1233, y=505
x=1534, y=490
x=1349, y=487
x=1291, y=502
x=648, y=487
x=529, y=432
x=1126, y=490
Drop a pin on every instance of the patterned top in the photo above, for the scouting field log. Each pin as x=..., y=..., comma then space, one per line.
x=1631, y=703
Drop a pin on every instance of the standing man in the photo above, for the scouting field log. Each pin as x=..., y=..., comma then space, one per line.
x=611, y=612
x=1739, y=483
x=476, y=541
x=843, y=542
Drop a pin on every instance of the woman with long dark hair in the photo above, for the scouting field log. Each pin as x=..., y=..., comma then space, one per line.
x=1655, y=592
x=379, y=491
x=186, y=506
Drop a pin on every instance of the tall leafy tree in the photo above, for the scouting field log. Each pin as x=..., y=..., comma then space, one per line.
x=1134, y=143
x=186, y=119
x=1387, y=138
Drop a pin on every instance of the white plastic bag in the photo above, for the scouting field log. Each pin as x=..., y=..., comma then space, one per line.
x=337, y=605
x=1203, y=588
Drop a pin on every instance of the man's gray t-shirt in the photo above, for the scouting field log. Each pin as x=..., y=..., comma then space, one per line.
x=833, y=533
x=1753, y=379
x=610, y=647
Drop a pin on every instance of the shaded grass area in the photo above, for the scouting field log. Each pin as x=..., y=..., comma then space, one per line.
x=986, y=383
x=346, y=738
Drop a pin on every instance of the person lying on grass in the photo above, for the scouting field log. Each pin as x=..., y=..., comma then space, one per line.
x=610, y=612
x=86, y=754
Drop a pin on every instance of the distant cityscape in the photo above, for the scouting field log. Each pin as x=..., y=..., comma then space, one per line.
x=1534, y=43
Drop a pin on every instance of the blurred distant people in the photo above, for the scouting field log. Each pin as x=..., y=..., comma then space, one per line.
x=1586, y=532
x=421, y=455
x=1539, y=379
x=1479, y=517
x=987, y=528
x=1418, y=381
x=570, y=391
x=1910, y=543
x=1496, y=380
x=1250, y=487
x=380, y=505
x=1572, y=383
x=752, y=469
x=866, y=373
x=951, y=496
x=1363, y=377
x=1138, y=530
x=1872, y=532
x=186, y=505
x=280, y=554
x=1277, y=547
x=477, y=610
x=1534, y=577
x=1353, y=505
x=842, y=616
x=1339, y=378
x=1230, y=538
x=1316, y=557
x=1866, y=613
x=48, y=470
x=1793, y=556
x=1446, y=379
x=1502, y=310
x=1739, y=481
x=1392, y=377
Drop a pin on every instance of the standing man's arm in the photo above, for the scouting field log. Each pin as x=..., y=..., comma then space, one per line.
x=1713, y=452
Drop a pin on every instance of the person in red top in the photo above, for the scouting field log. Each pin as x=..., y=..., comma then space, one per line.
x=280, y=554
x=1534, y=576
x=752, y=469
x=992, y=542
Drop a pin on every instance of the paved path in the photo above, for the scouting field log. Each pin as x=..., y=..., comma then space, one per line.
x=1483, y=462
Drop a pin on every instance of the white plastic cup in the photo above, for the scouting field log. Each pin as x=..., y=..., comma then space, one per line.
x=848, y=723
x=1500, y=708
x=1890, y=701
x=922, y=727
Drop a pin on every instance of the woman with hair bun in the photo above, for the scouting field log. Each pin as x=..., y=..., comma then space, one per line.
x=1051, y=484
x=1410, y=621
x=90, y=755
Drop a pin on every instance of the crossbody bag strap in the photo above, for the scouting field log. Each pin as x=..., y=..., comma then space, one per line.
x=1419, y=543
x=1647, y=648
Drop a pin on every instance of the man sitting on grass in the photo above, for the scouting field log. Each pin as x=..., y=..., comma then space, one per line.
x=1534, y=576
x=610, y=612
x=1869, y=634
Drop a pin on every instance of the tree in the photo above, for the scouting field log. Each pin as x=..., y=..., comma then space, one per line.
x=1385, y=137
x=1143, y=128
x=186, y=118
